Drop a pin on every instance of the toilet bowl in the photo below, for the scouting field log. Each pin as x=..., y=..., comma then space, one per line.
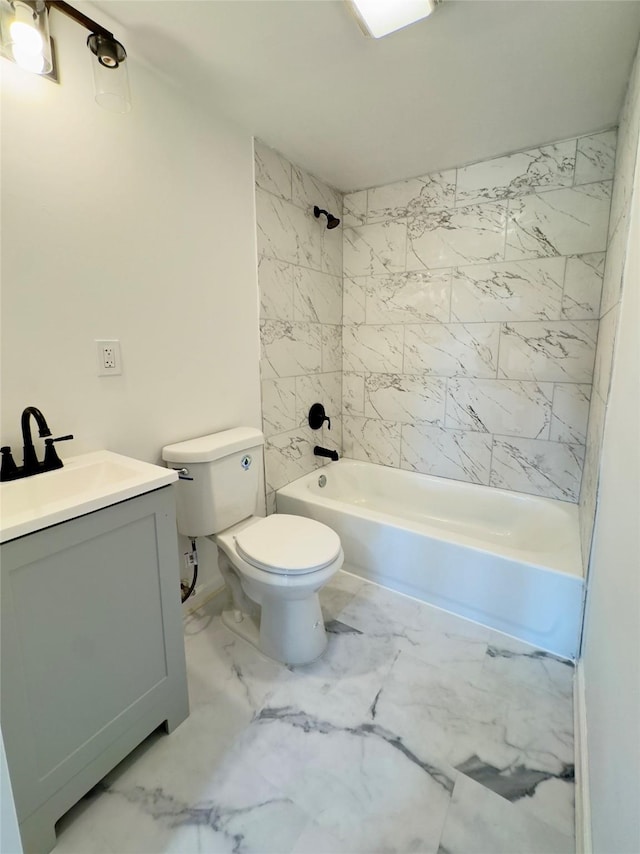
x=273, y=566
x=280, y=562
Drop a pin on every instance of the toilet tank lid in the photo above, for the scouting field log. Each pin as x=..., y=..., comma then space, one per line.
x=204, y=449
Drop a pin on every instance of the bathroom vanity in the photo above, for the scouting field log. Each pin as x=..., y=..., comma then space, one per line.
x=92, y=640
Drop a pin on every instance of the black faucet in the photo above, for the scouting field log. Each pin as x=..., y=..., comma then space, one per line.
x=10, y=471
x=31, y=463
x=325, y=452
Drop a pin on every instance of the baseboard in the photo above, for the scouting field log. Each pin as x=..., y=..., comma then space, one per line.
x=204, y=595
x=583, y=799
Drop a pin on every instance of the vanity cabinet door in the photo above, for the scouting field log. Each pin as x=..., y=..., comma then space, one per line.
x=91, y=640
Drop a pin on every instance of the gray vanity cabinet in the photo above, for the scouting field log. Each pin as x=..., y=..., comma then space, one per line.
x=92, y=652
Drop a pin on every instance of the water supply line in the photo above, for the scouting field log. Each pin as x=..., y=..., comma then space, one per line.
x=187, y=589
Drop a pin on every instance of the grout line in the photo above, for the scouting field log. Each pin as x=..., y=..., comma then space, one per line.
x=482, y=263
x=500, y=325
x=506, y=229
x=406, y=244
x=551, y=411
x=446, y=400
x=436, y=323
x=491, y=449
x=365, y=291
x=564, y=282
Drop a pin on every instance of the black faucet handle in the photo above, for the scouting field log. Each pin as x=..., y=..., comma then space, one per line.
x=317, y=417
x=51, y=459
x=9, y=469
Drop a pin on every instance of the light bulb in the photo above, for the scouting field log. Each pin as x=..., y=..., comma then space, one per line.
x=381, y=17
x=33, y=62
x=28, y=36
x=25, y=37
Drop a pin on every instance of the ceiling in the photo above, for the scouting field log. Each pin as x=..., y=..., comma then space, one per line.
x=477, y=79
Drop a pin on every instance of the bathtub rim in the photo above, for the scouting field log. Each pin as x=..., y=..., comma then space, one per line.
x=295, y=488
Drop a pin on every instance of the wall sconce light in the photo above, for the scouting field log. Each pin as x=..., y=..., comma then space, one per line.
x=110, y=76
x=24, y=29
x=25, y=35
x=378, y=18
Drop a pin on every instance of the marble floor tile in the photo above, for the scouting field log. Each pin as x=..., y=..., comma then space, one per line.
x=335, y=597
x=316, y=839
x=519, y=662
x=364, y=785
x=379, y=612
x=224, y=670
x=480, y=822
x=455, y=719
x=342, y=686
x=417, y=731
x=425, y=632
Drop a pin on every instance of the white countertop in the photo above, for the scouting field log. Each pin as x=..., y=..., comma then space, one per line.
x=86, y=483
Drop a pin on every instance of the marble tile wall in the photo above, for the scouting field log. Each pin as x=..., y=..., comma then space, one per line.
x=623, y=189
x=300, y=284
x=471, y=308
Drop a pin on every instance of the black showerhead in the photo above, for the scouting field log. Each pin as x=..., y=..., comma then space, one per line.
x=332, y=221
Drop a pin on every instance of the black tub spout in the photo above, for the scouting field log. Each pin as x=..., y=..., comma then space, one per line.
x=325, y=452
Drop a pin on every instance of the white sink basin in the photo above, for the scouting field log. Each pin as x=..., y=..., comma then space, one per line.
x=86, y=483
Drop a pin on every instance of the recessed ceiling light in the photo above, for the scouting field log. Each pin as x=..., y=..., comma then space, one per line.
x=380, y=17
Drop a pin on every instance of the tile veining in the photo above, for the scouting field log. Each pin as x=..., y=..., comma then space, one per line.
x=447, y=305
x=300, y=286
x=412, y=727
x=499, y=300
x=548, y=168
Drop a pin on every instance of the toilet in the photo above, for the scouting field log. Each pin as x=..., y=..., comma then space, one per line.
x=273, y=566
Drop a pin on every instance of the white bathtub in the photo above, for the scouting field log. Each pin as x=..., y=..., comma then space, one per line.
x=507, y=560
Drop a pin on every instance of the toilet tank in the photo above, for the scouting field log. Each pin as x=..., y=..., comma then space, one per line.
x=220, y=485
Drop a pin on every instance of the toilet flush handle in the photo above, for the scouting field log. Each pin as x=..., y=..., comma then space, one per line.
x=183, y=473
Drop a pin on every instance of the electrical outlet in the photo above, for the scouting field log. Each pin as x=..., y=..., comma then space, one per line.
x=109, y=358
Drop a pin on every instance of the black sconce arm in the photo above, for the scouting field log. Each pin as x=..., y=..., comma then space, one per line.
x=79, y=17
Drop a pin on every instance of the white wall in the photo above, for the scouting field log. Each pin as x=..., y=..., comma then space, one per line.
x=139, y=227
x=611, y=646
x=619, y=221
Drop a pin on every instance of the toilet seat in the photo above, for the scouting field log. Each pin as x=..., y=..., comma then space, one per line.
x=288, y=545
